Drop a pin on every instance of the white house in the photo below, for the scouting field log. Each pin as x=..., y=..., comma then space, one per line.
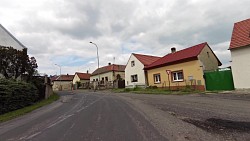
x=84, y=78
x=134, y=73
x=63, y=82
x=240, y=53
x=8, y=40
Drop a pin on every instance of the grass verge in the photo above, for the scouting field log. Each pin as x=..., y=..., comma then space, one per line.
x=23, y=111
x=138, y=90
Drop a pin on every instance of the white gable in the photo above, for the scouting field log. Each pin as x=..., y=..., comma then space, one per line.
x=137, y=69
x=7, y=39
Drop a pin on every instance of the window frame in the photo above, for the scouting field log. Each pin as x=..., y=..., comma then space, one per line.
x=132, y=63
x=159, y=78
x=175, y=73
x=132, y=80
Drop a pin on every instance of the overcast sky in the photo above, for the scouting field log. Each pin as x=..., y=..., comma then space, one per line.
x=59, y=31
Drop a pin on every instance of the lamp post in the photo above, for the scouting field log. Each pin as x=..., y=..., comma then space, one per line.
x=60, y=76
x=97, y=57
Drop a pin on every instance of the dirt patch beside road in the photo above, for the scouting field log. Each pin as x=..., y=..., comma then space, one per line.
x=196, y=117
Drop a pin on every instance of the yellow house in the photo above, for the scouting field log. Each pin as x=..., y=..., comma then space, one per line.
x=184, y=68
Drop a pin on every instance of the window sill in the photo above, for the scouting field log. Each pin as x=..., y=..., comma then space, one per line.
x=178, y=81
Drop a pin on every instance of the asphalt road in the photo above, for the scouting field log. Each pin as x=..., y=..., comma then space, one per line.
x=82, y=116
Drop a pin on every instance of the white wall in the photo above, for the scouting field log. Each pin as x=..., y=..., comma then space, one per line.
x=76, y=78
x=137, y=69
x=241, y=67
x=7, y=40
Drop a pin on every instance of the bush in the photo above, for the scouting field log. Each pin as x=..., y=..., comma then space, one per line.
x=38, y=82
x=15, y=95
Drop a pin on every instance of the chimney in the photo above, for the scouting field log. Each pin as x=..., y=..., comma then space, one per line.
x=173, y=50
x=109, y=64
x=87, y=71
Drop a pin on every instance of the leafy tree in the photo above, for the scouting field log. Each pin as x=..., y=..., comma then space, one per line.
x=14, y=63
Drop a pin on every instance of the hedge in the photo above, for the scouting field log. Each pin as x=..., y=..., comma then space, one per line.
x=15, y=95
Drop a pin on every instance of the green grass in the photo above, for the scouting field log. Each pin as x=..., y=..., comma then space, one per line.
x=138, y=90
x=23, y=111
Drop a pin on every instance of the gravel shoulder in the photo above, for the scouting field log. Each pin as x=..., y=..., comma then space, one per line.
x=196, y=116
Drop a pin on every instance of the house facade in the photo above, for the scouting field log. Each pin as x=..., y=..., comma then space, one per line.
x=184, y=68
x=63, y=82
x=134, y=71
x=108, y=73
x=84, y=78
x=240, y=52
x=8, y=40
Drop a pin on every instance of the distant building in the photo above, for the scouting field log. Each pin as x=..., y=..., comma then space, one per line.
x=240, y=52
x=108, y=73
x=84, y=78
x=181, y=68
x=134, y=71
x=63, y=82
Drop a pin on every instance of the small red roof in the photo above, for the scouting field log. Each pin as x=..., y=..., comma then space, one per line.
x=113, y=67
x=184, y=55
x=83, y=76
x=146, y=59
x=53, y=78
x=65, y=78
x=241, y=34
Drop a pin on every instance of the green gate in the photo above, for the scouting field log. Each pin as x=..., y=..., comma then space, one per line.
x=222, y=79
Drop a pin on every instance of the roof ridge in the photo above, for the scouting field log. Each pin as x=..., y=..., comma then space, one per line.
x=189, y=52
x=189, y=47
x=145, y=55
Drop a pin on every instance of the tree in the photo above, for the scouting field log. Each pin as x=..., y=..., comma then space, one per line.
x=14, y=63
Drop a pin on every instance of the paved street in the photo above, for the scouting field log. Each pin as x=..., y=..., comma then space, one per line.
x=82, y=116
x=103, y=115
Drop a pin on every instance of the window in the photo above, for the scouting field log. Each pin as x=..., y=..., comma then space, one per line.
x=106, y=79
x=132, y=63
x=208, y=54
x=157, y=78
x=177, y=76
x=134, y=78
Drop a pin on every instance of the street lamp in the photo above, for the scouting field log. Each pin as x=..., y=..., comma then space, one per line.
x=60, y=76
x=97, y=57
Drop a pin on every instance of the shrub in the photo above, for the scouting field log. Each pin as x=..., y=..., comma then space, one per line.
x=15, y=95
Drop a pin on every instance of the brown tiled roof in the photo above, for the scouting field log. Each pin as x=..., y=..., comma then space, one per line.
x=53, y=78
x=184, y=55
x=83, y=76
x=65, y=78
x=241, y=34
x=146, y=59
x=113, y=67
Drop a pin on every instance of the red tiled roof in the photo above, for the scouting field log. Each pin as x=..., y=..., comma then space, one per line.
x=83, y=76
x=146, y=59
x=184, y=55
x=65, y=78
x=113, y=67
x=241, y=34
x=53, y=78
